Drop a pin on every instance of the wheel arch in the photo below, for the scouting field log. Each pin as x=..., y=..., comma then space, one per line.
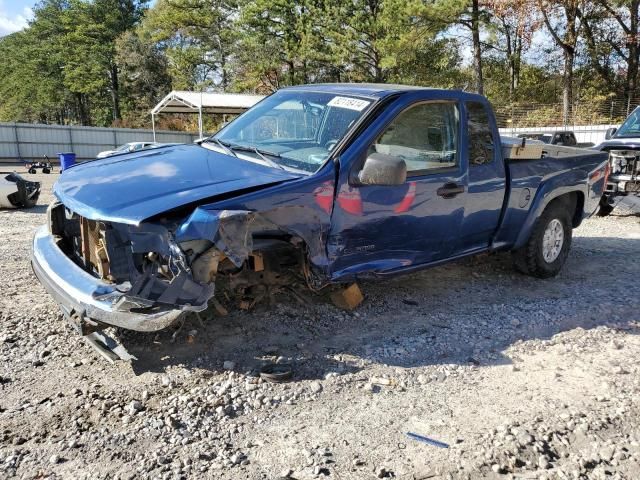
x=571, y=196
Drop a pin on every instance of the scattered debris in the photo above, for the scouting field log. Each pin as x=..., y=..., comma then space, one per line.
x=276, y=372
x=348, y=298
x=427, y=440
x=385, y=382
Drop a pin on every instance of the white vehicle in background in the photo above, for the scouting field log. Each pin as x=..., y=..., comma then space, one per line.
x=126, y=148
x=16, y=192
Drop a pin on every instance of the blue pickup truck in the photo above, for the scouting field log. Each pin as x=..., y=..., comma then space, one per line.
x=319, y=183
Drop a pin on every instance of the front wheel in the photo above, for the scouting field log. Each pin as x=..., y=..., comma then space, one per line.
x=604, y=207
x=548, y=246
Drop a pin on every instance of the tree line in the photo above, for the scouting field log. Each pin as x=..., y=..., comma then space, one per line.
x=108, y=62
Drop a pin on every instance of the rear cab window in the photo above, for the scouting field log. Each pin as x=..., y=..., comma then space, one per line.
x=480, y=135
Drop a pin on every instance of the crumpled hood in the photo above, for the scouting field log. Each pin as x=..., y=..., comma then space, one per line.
x=131, y=188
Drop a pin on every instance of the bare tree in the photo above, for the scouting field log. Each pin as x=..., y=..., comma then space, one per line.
x=515, y=22
x=625, y=14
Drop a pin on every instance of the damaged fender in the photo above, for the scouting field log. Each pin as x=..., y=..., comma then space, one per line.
x=232, y=231
x=229, y=230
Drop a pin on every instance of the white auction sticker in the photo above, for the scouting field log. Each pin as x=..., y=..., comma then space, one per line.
x=350, y=103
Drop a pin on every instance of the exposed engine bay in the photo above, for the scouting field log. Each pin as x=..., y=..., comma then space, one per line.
x=16, y=192
x=168, y=264
x=624, y=178
x=625, y=171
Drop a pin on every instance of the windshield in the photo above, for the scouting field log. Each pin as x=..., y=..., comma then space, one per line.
x=631, y=126
x=293, y=129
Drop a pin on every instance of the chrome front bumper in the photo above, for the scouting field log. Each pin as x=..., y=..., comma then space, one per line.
x=82, y=296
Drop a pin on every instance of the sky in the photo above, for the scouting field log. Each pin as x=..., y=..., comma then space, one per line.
x=14, y=15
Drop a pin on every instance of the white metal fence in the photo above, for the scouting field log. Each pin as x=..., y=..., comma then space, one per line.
x=21, y=142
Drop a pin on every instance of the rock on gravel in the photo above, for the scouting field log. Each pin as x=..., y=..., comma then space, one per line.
x=315, y=387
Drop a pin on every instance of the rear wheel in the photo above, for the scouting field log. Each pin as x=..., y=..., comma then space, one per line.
x=548, y=246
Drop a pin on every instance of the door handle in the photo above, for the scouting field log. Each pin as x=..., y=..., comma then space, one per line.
x=450, y=190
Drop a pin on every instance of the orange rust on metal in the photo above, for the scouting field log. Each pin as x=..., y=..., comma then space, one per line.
x=94, y=251
x=258, y=262
x=102, y=260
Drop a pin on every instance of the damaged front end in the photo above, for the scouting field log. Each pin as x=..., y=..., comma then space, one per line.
x=247, y=254
x=141, y=270
x=144, y=277
x=625, y=172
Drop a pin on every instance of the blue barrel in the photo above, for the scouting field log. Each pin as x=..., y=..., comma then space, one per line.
x=66, y=160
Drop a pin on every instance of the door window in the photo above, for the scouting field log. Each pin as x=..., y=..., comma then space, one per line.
x=481, y=145
x=424, y=136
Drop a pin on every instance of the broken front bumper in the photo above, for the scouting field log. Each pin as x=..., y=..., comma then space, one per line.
x=84, y=298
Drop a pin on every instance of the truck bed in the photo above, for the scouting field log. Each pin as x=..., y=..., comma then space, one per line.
x=536, y=173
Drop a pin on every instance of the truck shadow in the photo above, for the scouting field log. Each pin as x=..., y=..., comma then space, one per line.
x=465, y=313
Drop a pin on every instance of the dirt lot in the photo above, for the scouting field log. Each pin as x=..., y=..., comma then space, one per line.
x=522, y=378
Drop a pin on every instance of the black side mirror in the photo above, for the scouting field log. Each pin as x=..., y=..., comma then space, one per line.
x=381, y=169
x=610, y=133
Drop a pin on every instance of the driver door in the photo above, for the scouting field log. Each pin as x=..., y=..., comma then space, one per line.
x=383, y=228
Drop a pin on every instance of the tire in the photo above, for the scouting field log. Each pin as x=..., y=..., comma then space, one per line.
x=604, y=207
x=32, y=170
x=46, y=170
x=544, y=258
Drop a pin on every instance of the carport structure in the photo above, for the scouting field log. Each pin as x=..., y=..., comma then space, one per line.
x=180, y=101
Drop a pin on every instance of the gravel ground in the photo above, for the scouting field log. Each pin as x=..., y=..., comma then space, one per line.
x=522, y=378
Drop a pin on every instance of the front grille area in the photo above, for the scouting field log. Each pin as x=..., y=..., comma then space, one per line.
x=148, y=268
x=83, y=240
x=625, y=162
x=93, y=247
